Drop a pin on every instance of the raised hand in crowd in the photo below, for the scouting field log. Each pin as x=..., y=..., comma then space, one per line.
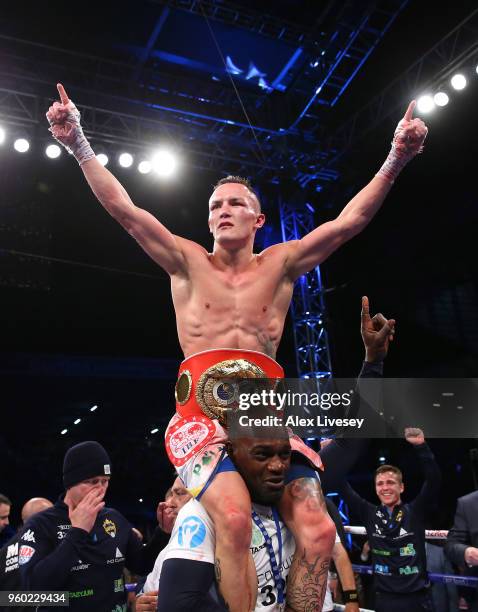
x=414, y=435
x=377, y=333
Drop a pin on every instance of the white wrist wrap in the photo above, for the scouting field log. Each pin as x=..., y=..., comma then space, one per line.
x=76, y=142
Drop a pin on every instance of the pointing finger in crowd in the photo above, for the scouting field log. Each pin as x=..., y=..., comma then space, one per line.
x=365, y=308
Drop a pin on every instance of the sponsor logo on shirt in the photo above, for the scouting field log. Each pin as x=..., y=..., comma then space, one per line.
x=407, y=570
x=407, y=551
x=382, y=569
x=11, y=561
x=383, y=553
x=118, y=585
x=26, y=553
x=257, y=537
x=191, y=532
x=118, y=557
x=378, y=531
x=12, y=550
x=60, y=534
x=80, y=566
x=78, y=594
x=403, y=534
x=29, y=536
x=109, y=527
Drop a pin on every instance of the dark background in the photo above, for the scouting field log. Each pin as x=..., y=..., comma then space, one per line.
x=91, y=322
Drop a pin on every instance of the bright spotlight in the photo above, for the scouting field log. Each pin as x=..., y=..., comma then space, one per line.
x=144, y=167
x=53, y=151
x=476, y=69
x=125, y=160
x=425, y=104
x=2, y=135
x=164, y=163
x=102, y=158
x=21, y=145
x=441, y=98
x=458, y=81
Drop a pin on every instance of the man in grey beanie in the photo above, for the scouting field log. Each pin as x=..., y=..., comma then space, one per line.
x=80, y=545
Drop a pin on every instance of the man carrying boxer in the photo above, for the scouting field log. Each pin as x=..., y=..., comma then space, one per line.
x=231, y=306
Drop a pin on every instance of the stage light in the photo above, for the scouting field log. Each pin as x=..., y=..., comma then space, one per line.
x=53, y=151
x=144, y=167
x=458, y=81
x=425, y=104
x=441, y=98
x=64, y=431
x=76, y=421
x=382, y=459
x=93, y=408
x=155, y=430
x=102, y=158
x=476, y=68
x=164, y=163
x=125, y=160
x=2, y=135
x=21, y=145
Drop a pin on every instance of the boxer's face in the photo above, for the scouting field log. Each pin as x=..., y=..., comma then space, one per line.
x=234, y=214
x=389, y=488
x=262, y=463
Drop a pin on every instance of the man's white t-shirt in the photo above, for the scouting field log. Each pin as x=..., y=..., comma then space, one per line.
x=193, y=538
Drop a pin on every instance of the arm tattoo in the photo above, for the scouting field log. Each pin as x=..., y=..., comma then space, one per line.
x=217, y=571
x=218, y=574
x=308, y=490
x=307, y=584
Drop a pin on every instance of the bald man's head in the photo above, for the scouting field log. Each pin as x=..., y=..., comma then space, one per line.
x=33, y=506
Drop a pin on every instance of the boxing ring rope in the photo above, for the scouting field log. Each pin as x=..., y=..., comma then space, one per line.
x=342, y=607
x=430, y=534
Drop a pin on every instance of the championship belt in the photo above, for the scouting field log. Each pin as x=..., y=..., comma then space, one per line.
x=210, y=382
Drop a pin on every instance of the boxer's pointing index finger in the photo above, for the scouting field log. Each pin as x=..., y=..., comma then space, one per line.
x=63, y=97
x=409, y=112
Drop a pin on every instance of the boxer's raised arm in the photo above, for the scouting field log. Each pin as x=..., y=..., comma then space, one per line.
x=160, y=244
x=316, y=246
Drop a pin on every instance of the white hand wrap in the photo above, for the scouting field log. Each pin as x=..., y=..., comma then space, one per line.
x=403, y=150
x=75, y=142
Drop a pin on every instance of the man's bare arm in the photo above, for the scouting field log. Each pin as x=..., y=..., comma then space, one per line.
x=160, y=244
x=346, y=575
x=316, y=246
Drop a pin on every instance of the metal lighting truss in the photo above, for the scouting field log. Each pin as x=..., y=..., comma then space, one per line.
x=307, y=306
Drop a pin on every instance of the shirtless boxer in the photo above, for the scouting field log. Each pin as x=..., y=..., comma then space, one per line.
x=236, y=300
